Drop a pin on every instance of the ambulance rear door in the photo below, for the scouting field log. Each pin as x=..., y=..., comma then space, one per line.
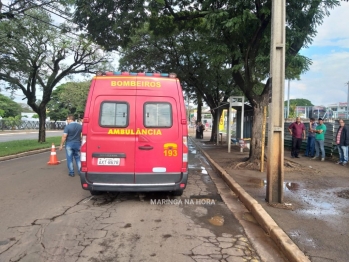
x=111, y=141
x=158, y=151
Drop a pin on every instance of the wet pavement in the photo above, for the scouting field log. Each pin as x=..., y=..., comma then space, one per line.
x=46, y=223
x=314, y=213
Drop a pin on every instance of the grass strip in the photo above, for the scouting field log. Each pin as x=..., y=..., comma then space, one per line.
x=20, y=146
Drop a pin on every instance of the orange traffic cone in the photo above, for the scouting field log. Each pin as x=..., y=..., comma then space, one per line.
x=53, y=157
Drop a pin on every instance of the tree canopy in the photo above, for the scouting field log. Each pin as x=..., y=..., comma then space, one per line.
x=299, y=102
x=35, y=55
x=15, y=8
x=237, y=33
x=69, y=98
x=9, y=108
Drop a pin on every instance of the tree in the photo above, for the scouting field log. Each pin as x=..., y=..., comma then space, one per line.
x=8, y=107
x=240, y=28
x=202, y=78
x=36, y=55
x=297, y=102
x=14, y=9
x=69, y=98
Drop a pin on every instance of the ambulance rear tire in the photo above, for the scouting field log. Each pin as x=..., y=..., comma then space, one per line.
x=177, y=192
x=95, y=193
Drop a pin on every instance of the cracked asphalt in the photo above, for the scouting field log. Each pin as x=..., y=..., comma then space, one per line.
x=46, y=216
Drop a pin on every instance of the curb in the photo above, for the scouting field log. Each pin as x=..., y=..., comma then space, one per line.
x=281, y=239
x=4, y=158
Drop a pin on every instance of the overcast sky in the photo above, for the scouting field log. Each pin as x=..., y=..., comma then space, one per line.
x=326, y=81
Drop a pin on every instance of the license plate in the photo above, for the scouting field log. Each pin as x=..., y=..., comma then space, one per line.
x=108, y=161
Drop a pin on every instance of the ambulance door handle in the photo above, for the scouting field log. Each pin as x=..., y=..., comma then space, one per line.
x=145, y=147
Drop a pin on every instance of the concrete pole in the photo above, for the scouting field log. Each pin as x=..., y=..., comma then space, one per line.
x=217, y=126
x=229, y=127
x=348, y=102
x=275, y=164
x=242, y=121
x=288, y=100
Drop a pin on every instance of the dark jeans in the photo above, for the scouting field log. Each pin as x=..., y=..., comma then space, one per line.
x=198, y=135
x=310, y=146
x=296, y=145
x=73, y=152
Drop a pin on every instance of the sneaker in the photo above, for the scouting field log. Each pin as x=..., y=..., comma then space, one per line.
x=297, y=157
x=344, y=163
x=315, y=157
x=339, y=163
x=322, y=159
x=72, y=175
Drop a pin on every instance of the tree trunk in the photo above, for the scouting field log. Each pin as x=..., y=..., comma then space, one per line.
x=215, y=124
x=42, y=124
x=199, y=112
x=257, y=132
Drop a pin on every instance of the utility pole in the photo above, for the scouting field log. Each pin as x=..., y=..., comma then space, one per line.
x=288, y=99
x=348, y=102
x=275, y=164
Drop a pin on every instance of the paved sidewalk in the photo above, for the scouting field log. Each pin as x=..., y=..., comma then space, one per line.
x=313, y=222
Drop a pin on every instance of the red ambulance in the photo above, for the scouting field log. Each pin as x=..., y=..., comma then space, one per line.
x=134, y=134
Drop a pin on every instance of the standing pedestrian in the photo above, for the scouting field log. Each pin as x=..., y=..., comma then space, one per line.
x=342, y=142
x=202, y=129
x=198, y=125
x=297, y=131
x=320, y=140
x=72, y=138
x=311, y=138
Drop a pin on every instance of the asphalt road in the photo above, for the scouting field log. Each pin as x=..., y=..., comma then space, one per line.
x=47, y=216
x=30, y=134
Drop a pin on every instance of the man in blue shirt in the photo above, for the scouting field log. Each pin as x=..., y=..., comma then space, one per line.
x=72, y=138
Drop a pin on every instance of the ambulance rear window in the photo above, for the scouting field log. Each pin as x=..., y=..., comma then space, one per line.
x=157, y=115
x=114, y=114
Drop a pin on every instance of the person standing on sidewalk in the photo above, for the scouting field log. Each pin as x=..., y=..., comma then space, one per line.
x=311, y=138
x=72, y=138
x=320, y=140
x=297, y=129
x=342, y=141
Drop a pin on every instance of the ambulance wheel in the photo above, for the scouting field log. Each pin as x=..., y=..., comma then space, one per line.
x=177, y=193
x=95, y=193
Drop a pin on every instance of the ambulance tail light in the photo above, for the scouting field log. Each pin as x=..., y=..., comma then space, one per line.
x=185, y=154
x=83, y=154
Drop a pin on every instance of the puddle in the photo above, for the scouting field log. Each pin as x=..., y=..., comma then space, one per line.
x=319, y=208
x=206, y=179
x=248, y=217
x=4, y=242
x=302, y=237
x=193, y=151
x=217, y=220
x=259, y=183
x=291, y=186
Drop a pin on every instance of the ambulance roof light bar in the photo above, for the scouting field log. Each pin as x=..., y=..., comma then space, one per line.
x=119, y=73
